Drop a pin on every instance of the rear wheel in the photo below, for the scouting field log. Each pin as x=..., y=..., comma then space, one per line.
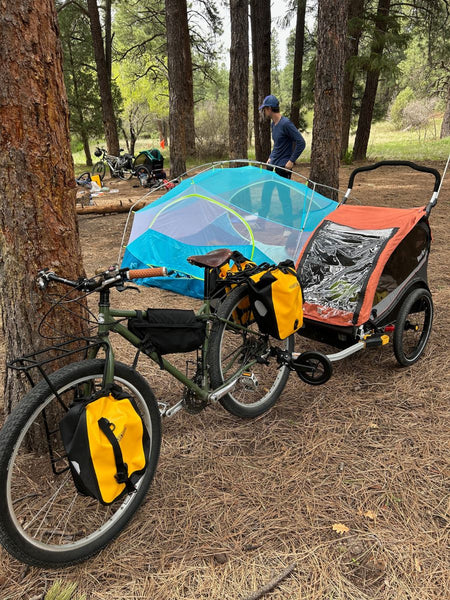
x=144, y=175
x=99, y=169
x=126, y=173
x=84, y=178
x=231, y=348
x=44, y=521
x=413, y=327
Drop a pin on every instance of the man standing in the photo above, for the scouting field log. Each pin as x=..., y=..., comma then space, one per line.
x=288, y=144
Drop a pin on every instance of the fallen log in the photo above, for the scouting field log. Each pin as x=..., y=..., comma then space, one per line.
x=111, y=207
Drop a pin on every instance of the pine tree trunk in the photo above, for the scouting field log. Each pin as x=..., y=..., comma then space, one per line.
x=179, y=64
x=38, y=226
x=104, y=81
x=133, y=139
x=445, y=127
x=261, y=34
x=298, y=63
x=86, y=148
x=178, y=31
x=77, y=107
x=328, y=87
x=238, y=83
x=373, y=75
x=355, y=14
x=108, y=39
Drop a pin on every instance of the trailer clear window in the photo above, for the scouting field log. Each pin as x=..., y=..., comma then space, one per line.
x=336, y=266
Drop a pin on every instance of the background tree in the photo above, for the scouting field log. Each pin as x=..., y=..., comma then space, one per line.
x=104, y=77
x=181, y=99
x=445, y=128
x=373, y=75
x=238, y=81
x=261, y=59
x=38, y=226
x=432, y=40
x=355, y=24
x=298, y=62
x=80, y=77
x=327, y=124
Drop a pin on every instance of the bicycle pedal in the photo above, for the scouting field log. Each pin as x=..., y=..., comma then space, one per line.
x=162, y=408
x=248, y=380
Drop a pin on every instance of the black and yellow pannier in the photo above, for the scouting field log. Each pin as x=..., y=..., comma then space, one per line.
x=276, y=300
x=228, y=276
x=107, y=444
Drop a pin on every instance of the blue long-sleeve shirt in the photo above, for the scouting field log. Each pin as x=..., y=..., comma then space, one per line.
x=288, y=143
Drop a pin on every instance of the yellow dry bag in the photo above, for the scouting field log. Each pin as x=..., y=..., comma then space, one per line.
x=107, y=444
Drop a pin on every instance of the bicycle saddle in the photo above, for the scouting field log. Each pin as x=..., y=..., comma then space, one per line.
x=215, y=258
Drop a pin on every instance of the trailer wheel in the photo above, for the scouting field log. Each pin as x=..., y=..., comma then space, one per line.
x=413, y=327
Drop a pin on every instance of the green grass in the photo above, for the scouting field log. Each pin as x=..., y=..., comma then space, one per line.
x=386, y=143
x=63, y=591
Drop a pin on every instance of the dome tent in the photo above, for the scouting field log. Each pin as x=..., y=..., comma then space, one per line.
x=238, y=208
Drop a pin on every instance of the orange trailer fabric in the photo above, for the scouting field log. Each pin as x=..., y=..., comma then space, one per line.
x=363, y=218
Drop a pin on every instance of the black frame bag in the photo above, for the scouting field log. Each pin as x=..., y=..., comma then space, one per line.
x=107, y=444
x=168, y=331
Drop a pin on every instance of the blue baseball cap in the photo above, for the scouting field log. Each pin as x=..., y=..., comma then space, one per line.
x=271, y=101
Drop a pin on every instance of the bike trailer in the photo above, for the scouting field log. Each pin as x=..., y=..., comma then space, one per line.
x=364, y=274
x=152, y=159
x=360, y=259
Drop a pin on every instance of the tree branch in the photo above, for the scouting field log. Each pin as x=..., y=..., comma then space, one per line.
x=67, y=3
x=272, y=583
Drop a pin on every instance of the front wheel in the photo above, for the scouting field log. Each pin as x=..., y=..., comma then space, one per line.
x=99, y=169
x=413, y=327
x=233, y=348
x=44, y=521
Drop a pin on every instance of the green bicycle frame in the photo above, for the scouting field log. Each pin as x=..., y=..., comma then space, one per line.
x=107, y=323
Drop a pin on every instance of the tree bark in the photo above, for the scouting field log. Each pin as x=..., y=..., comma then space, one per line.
x=354, y=28
x=108, y=39
x=445, y=127
x=328, y=87
x=298, y=63
x=104, y=80
x=261, y=33
x=181, y=102
x=373, y=75
x=38, y=226
x=238, y=82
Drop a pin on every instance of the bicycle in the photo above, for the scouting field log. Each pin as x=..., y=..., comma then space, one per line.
x=119, y=166
x=43, y=520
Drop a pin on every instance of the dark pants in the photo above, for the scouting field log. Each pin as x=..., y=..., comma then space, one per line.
x=283, y=193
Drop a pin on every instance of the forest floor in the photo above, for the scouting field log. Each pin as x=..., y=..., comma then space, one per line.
x=234, y=503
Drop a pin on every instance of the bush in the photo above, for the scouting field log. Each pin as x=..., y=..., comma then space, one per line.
x=401, y=101
x=418, y=114
x=211, y=130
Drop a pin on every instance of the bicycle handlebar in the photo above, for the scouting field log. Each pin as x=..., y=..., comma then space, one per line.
x=112, y=277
